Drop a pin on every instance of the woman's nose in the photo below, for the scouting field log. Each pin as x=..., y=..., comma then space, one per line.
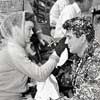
x=32, y=32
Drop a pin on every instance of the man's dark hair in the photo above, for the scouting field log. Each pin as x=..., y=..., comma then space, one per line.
x=81, y=25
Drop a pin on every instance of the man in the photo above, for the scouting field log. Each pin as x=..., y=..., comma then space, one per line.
x=85, y=73
x=69, y=12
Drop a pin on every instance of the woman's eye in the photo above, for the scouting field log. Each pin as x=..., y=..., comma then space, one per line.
x=29, y=29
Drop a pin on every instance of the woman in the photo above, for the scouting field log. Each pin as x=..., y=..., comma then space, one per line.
x=15, y=67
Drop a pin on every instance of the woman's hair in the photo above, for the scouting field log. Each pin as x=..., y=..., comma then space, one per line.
x=29, y=16
x=81, y=26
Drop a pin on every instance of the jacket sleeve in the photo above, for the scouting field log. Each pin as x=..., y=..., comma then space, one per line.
x=24, y=65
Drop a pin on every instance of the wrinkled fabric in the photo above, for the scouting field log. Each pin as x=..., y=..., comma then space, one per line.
x=47, y=89
x=56, y=11
x=68, y=12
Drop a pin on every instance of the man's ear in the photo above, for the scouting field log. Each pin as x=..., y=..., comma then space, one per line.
x=83, y=38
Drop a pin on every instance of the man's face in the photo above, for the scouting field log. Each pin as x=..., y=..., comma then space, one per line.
x=28, y=30
x=74, y=43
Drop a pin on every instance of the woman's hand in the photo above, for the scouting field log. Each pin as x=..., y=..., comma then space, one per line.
x=60, y=46
x=45, y=39
x=29, y=50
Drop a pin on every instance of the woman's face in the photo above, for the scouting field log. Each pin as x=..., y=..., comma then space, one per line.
x=28, y=30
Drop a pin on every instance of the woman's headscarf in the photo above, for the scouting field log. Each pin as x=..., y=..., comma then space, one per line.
x=15, y=19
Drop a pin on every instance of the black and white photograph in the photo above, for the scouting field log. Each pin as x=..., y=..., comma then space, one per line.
x=49, y=49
